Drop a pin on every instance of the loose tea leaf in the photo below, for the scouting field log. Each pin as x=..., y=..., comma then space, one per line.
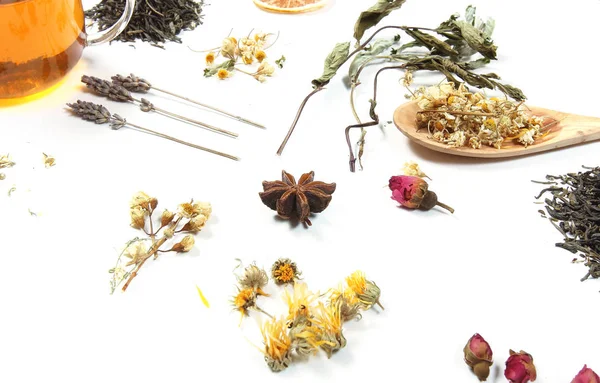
x=374, y=15
x=154, y=21
x=574, y=210
x=333, y=62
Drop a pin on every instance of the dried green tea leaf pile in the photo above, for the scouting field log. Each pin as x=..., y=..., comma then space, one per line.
x=154, y=21
x=314, y=321
x=574, y=209
x=458, y=117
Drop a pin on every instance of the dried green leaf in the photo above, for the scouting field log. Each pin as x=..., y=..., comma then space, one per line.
x=280, y=62
x=476, y=40
x=378, y=47
x=208, y=72
x=470, y=14
x=431, y=42
x=475, y=64
x=333, y=62
x=374, y=15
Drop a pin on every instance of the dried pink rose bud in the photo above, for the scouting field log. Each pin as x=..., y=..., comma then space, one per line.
x=586, y=375
x=520, y=367
x=478, y=355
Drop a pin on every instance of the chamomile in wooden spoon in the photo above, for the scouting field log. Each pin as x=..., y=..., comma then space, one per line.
x=459, y=122
x=290, y=6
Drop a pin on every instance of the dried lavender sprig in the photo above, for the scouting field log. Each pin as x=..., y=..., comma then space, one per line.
x=118, y=93
x=139, y=85
x=100, y=115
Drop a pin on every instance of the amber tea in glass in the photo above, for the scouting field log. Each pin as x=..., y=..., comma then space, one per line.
x=42, y=40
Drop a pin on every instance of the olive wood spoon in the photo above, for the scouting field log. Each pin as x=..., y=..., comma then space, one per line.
x=565, y=130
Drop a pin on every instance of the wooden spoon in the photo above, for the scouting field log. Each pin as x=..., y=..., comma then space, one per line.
x=570, y=130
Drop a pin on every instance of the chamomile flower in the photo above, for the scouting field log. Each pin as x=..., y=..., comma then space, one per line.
x=210, y=58
x=222, y=74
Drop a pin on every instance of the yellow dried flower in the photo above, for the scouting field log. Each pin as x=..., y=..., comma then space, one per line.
x=222, y=74
x=299, y=303
x=284, y=271
x=49, y=161
x=349, y=305
x=229, y=48
x=247, y=58
x=278, y=344
x=144, y=201
x=2, y=176
x=260, y=55
x=413, y=169
x=210, y=58
x=191, y=210
x=195, y=224
x=329, y=320
x=366, y=291
x=265, y=69
x=6, y=162
x=246, y=300
x=185, y=245
x=138, y=217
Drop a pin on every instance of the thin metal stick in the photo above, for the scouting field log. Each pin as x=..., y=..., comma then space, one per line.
x=241, y=119
x=207, y=126
x=182, y=142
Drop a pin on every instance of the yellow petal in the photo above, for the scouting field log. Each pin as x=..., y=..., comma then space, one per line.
x=202, y=297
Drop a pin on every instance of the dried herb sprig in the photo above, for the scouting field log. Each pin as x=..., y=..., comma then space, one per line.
x=154, y=21
x=137, y=84
x=189, y=219
x=449, y=57
x=100, y=115
x=118, y=93
x=574, y=210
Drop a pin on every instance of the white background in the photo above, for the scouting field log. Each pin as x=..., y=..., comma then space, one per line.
x=491, y=268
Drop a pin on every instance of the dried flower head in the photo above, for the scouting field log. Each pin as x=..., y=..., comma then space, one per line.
x=247, y=58
x=49, y=161
x=412, y=169
x=284, y=271
x=254, y=278
x=244, y=301
x=137, y=252
x=299, y=304
x=210, y=58
x=348, y=302
x=366, y=291
x=2, y=176
x=166, y=218
x=191, y=209
x=413, y=192
x=138, y=217
x=478, y=356
x=144, y=201
x=260, y=56
x=278, y=345
x=229, y=48
x=5, y=161
x=222, y=74
x=195, y=224
x=329, y=320
x=305, y=339
x=185, y=245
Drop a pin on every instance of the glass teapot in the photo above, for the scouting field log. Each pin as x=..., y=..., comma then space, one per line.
x=42, y=40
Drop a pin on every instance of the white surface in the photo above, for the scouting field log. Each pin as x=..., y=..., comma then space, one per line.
x=490, y=268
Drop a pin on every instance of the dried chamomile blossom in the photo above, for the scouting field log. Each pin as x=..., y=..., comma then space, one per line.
x=254, y=278
x=195, y=224
x=185, y=245
x=299, y=303
x=143, y=201
x=246, y=300
x=49, y=161
x=138, y=217
x=457, y=117
x=278, y=345
x=412, y=169
x=284, y=271
x=244, y=51
x=6, y=162
x=348, y=302
x=366, y=291
x=329, y=320
x=2, y=176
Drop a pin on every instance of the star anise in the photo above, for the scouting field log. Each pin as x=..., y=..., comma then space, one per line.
x=297, y=200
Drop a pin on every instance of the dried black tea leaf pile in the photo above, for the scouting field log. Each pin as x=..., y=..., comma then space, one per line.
x=574, y=210
x=154, y=21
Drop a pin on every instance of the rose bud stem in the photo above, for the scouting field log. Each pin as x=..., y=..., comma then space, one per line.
x=430, y=200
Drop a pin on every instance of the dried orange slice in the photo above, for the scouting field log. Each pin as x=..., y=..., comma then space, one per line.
x=290, y=6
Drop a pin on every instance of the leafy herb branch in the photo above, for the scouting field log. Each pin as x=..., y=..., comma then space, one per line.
x=448, y=49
